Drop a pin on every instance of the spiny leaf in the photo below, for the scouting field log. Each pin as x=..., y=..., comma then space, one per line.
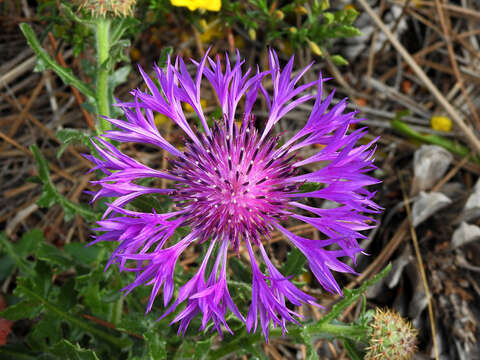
x=51, y=195
x=67, y=351
x=65, y=74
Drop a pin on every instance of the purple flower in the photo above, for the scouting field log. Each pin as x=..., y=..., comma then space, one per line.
x=233, y=185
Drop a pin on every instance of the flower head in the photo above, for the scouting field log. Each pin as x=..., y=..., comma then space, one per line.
x=234, y=183
x=112, y=7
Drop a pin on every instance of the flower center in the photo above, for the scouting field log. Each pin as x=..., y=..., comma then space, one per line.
x=234, y=184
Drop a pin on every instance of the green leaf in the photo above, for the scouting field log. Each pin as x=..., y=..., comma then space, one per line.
x=347, y=31
x=24, y=288
x=82, y=253
x=29, y=242
x=65, y=74
x=156, y=345
x=350, y=16
x=65, y=350
x=202, y=348
x=119, y=76
x=72, y=136
x=53, y=255
x=328, y=18
x=48, y=330
x=10, y=249
x=50, y=194
x=294, y=265
x=22, y=310
x=350, y=296
x=339, y=60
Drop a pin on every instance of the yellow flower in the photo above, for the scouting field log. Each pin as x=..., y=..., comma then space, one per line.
x=441, y=123
x=212, y=5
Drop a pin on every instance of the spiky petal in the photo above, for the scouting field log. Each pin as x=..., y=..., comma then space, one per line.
x=233, y=185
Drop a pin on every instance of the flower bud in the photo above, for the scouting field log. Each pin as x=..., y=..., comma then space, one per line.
x=279, y=15
x=315, y=48
x=252, y=33
x=391, y=337
x=104, y=7
x=302, y=10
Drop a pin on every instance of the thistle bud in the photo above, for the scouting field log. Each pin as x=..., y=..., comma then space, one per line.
x=104, y=7
x=391, y=337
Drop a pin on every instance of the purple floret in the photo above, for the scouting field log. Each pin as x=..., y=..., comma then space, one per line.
x=233, y=185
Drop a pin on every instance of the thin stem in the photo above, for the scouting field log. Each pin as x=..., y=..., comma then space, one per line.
x=315, y=330
x=103, y=49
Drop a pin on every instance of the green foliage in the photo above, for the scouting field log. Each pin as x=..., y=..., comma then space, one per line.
x=294, y=264
x=300, y=23
x=73, y=136
x=51, y=195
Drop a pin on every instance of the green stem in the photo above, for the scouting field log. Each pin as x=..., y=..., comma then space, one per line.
x=451, y=146
x=118, y=342
x=315, y=330
x=103, y=49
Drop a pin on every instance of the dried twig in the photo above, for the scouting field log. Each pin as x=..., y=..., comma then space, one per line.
x=421, y=269
x=467, y=131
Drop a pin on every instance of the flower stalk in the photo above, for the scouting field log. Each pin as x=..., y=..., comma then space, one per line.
x=102, y=91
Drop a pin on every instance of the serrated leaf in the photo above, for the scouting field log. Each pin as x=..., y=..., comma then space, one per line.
x=21, y=310
x=48, y=330
x=29, y=242
x=156, y=345
x=53, y=255
x=65, y=350
x=50, y=194
x=25, y=289
x=350, y=296
x=12, y=252
x=65, y=74
x=72, y=136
